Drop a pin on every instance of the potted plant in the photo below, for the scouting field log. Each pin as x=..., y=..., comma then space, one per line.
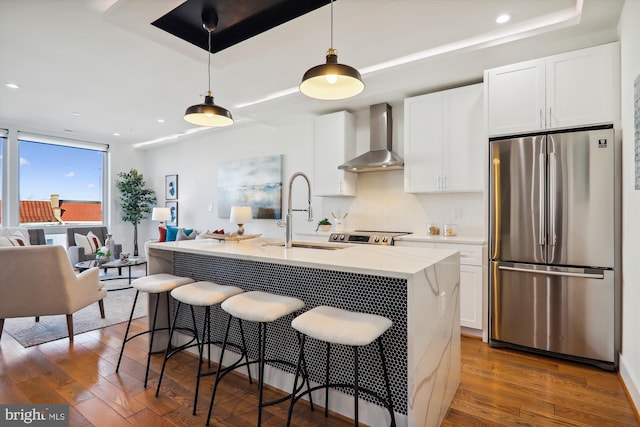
x=136, y=201
x=324, y=225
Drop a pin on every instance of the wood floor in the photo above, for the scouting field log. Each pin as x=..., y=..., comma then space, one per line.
x=498, y=388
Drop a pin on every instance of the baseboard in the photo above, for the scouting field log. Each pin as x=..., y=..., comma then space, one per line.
x=631, y=388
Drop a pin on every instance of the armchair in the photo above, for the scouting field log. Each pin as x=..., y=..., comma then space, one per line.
x=77, y=253
x=38, y=281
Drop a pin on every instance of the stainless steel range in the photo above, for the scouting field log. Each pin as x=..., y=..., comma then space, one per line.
x=367, y=237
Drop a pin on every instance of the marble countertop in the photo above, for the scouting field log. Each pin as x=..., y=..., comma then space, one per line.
x=392, y=261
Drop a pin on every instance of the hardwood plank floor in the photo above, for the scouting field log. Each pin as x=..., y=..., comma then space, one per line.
x=498, y=388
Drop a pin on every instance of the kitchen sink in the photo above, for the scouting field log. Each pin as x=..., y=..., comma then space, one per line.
x=312, y=245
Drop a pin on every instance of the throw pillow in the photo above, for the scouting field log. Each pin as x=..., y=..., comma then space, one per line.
x=18, y=239
x=5, y=242
x=186, y=234
x=172, y=233
x=90, y=242
x=163, y=234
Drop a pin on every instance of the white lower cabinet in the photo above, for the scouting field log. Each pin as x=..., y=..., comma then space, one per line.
x=472, y=312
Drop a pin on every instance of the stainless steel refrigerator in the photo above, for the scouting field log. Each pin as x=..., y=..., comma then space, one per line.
x=554, y=244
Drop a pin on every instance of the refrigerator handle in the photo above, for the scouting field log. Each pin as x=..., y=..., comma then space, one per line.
x=553, y=273
x=543, y=207
x=552, y=199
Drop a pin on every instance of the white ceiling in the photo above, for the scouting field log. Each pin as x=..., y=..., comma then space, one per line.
x=103, y=59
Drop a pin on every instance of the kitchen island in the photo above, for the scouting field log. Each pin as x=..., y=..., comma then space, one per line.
x=418, y=289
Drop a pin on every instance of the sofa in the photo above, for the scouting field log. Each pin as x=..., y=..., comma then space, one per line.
x=36, y=235
x=39, y=281
x=77, y=253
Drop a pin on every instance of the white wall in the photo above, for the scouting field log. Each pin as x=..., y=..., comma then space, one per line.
x=630, y=70
x=381, y=202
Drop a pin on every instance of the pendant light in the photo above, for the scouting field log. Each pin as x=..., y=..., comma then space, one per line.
x=332, y=80
x=208, y=113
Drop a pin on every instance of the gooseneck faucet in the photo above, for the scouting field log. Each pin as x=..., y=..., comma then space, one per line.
x=288, y=226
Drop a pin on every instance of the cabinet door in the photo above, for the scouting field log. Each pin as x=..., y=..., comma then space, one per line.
x=581, y=87
x=516, y=97
x=471, y=296
x=424, y=135
x=334, y=144
x=465, y=137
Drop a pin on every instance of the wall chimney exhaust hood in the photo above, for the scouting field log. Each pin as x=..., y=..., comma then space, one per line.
x=379, y=157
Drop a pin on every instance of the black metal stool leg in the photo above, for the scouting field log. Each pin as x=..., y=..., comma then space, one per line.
x=262, y=332
x=327, y=381
x=153, y=333
x=215, y=384
x=126, y=334
x=355, y=385
x=385, y=373
x=207, y=326
x=301, y=339
x=244, y=349
x=166, y=353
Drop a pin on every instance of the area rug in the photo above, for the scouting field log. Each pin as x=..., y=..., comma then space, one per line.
x=117, y=307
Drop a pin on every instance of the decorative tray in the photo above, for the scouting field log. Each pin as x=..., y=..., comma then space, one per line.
x=231, y=237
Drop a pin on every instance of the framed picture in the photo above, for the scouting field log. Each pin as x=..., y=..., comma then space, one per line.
x=255, y=182
x=171, y=187
x=173, y=206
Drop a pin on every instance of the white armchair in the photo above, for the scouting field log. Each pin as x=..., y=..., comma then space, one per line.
x=39, y=281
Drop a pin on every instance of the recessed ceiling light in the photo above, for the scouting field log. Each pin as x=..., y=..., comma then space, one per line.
x=12, y=86
x=160, y=120
x=116, y=134
x=503, y=18
x=75, y=113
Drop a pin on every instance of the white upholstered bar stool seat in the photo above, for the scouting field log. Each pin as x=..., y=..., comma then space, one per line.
x=154, y=284
x=342, y=327
x=262, y=308
x=198, y=294
x=257, y=306
x=338, y=326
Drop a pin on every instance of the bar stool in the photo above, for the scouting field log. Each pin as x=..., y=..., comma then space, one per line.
x=153, y=284
x=337, y=326
x=200, y=294
x=262, y=308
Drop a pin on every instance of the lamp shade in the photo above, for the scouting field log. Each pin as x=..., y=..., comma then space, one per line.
x=331, y=81
x=240, y=214
x=208, y=114
x=161, y=214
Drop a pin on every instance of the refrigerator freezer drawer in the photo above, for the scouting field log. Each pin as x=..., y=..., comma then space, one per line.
x=566, y=311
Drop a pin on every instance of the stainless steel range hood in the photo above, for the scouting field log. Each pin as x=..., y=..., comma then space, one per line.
x=379, y=157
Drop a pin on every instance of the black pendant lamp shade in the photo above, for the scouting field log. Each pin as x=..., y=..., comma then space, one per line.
x=331, y=81
x=208, y=113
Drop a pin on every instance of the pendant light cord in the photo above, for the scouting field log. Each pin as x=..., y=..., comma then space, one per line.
x=331, y=24
x=209, y=62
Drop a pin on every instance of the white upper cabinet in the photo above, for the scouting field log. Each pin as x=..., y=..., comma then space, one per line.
x=444, y=141
x=333, y=144
x=566, y=90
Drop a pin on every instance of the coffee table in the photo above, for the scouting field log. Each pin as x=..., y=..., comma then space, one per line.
x=131, y=262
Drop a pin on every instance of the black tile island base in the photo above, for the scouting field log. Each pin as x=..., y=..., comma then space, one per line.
x=417, y=290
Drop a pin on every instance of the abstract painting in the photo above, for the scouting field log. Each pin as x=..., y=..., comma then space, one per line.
x=255, y=182
x=171, y=187
x=173, y=206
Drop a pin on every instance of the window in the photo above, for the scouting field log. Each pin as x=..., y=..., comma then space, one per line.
x=60, y=182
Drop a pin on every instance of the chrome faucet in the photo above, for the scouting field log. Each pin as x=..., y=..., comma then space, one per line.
x=288, y=226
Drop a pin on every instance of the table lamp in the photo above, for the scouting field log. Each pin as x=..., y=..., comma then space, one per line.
x=161, y=214
x=240, y=215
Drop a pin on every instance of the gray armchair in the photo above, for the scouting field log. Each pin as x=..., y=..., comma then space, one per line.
x=76, y=253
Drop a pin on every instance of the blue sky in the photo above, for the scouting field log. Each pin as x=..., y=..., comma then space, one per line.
x=73, y=173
